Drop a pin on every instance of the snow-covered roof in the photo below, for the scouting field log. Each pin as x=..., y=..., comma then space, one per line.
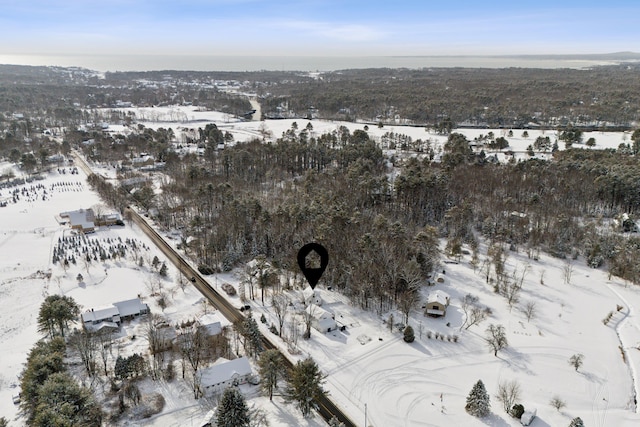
x=319, y=312
x=80, y=217
x=225, y=371
x=527, y=417
x=100, y=326
x=100, y=314
x=130, y=307
x=439, y=297
x=212, y=329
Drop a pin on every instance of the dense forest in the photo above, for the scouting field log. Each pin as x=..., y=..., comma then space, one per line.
x=382, y=230
x=380, y=217
x=598, y=97
x=513, y=97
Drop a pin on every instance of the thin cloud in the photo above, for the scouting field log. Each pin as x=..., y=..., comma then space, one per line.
x=336, y=31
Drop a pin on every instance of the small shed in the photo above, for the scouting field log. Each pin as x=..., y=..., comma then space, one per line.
x=527, y=417
x=437, y=304
x=225, y=373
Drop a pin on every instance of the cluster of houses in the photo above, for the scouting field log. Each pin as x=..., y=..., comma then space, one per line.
x=222, y=374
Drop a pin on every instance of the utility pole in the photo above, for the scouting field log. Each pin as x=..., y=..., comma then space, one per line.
x=365, y=415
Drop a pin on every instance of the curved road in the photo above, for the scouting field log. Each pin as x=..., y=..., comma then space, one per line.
x=326, y=408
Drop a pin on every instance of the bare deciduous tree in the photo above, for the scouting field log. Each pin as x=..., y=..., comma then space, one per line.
x=576, y=361
x=473, y=312
x=529, y=310
x=496, y=338
x=158, y=343
x=84, y=343
x=280, y=304
x=557, y=403
x=567, y=269
x=508, y=393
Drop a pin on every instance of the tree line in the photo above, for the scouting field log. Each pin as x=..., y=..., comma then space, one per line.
x=268, y=199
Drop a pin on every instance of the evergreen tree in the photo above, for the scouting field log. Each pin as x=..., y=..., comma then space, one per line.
x=478, y=403
x=409, y=335
x=232, y=410
x=252, y=335
x=576, y=422
x=44, y=359
x=305, y=385
x=55, y=314
x=61, y=397
x=517, y=410
x=163, y=270
x=271, y=370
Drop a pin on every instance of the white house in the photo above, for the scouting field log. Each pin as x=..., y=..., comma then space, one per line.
x=321, y=319
x=123, y=310
x=225, y=373
x=310, y=296
x=437, y=303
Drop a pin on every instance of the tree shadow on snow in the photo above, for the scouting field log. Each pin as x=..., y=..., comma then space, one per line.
x=418, y=346
x=517, y=361
x=494, y=420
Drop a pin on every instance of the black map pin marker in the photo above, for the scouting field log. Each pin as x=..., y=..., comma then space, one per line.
x=311, y=268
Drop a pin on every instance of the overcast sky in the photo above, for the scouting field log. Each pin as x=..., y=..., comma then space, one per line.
x=318, y=27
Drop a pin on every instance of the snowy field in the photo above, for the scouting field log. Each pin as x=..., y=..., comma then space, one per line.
x=186, y=120
x=28, y=234
x=420, y=384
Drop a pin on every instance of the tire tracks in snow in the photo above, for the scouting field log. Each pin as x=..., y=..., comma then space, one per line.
x=632, y=370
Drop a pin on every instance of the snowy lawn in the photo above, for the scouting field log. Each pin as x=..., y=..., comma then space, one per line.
x=420, y=384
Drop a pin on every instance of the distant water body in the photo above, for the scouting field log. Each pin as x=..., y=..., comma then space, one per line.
x=104, y=63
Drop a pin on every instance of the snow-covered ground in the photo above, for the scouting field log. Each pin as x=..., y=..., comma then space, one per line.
x=185, y=119
x=29, y=231
x=420, y=384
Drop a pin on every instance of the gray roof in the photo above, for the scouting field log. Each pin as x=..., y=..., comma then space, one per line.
x=212, y=329
x=119, y=309
x=131, y=307
x=100, y=314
